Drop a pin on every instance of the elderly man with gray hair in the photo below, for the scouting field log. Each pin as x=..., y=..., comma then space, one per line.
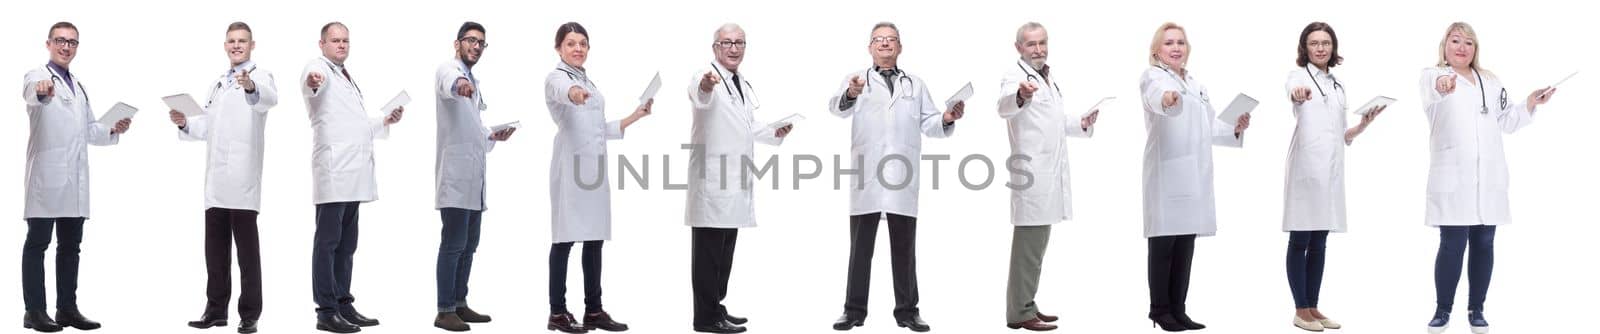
x=725, y=131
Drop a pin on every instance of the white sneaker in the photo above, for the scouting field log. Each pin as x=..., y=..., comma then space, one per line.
x=1480, y=330
x=1329, y=324
x=1437, y=330
x=1312, y=325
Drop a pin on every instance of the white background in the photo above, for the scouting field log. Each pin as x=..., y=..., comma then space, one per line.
x=143, y=270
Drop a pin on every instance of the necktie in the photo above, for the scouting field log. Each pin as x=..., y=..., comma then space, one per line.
x=736, y=85
x=888, y=78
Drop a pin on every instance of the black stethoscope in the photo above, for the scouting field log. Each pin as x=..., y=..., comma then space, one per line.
x=902, y=77
x=1035, y=78
x=57, y=78
x=1483, y=96
x=1183, y=85
x=1336, y=85
x=226, y=78
x=743, y=98
x=336, y=70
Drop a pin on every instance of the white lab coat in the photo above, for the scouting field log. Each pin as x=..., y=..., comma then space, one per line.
x=342, y=165
x=725, y=123
x=1038, y=130
x=463, y=142
x=1313, y=189
x=577, y=213
x=1179, y=195
x=234, y=129
x=887, y=129
x=1467, y=177
x=60, y=129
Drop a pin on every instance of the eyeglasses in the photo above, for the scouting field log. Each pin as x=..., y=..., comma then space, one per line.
x=727, y=44
x=890, y=39
x=474, y=41
x=1319, y=44
x=63, y=42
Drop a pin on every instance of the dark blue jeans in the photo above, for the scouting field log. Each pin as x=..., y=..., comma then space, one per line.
x=69, y=233
x=559, y=252
x=1307, y=255
x=1454, y=242
x=458, y=240
x=333, y=248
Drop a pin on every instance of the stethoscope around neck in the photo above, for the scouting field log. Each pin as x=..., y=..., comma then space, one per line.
x=743, y=98
x=57, y=78
x=1035, y=78
x=901, y=77
x=1483, y=95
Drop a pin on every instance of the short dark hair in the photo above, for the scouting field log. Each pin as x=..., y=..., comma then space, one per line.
x=240, y=26
x=1305, y=54
x=569, y=27
x=330, y=25
x=60, y=25
x=469, y=26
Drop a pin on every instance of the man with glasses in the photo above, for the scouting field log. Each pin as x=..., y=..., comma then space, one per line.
x=890, y=111
x=233, y=127
x=343, y=177
x=61, y=126
x=462, y=146
x=725, y=131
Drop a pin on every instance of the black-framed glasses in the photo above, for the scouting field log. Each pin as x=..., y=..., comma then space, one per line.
x=63, y=42
x=890, y=39
x=474, y=41
x=728, y=44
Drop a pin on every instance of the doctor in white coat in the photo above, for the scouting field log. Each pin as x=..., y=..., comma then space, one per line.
x=460, y=154
x=234, y=130
x=1467, y=110
x=61, y=126
x=720, y=199
x=1038, y=124
x=342, y=171
x=1313, y=193
x=1179, y=196
x=580, y=192
x=890, y=111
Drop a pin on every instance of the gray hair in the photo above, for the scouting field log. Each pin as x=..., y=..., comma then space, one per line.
x=886, y=24
x=1026, y=27
x=716, y=36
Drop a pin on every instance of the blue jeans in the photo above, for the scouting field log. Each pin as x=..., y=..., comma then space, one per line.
x=1307, y=255
x=333, y=248
x=1454, y=241
x=458, y=240
x=69, y=233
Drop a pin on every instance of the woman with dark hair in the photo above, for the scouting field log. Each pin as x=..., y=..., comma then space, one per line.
x=1313, y=191
x=580, y=196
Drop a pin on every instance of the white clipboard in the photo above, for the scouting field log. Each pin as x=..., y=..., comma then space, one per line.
x=1242, y=104
x=117, y=113
x=185, y=104
x=961, y=95
x=1377, y=101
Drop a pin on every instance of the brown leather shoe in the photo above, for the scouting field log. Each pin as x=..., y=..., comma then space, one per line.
x=565, y=323
x=602, y=321
x=1033, y=325
x=1045, y=317
x=451, y=322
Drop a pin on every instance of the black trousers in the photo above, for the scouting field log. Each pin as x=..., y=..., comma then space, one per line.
x=1170, y=260
x=226, y=228
x=69, y=234
x=903, y=264
x=710, y=266
x=559, y=252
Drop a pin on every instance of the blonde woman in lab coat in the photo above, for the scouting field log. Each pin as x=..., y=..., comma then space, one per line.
x=1313, y=191
x=580, y=196
x=1179, y=197
x=1467, y=110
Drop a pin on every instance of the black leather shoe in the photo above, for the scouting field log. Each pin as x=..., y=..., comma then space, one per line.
x=451, y=322
x=204, y=323
x=1188, y=323
x=914, y=323
x=720, y=327
x=845, y=322
x=335, y=323
x=39, y=321
x=470, y=316
x=248, y=326
x=1168, y=323
x=735, y=320
x=564, y=323
x=602, y=321
x=355, y=318
x=71, y=318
